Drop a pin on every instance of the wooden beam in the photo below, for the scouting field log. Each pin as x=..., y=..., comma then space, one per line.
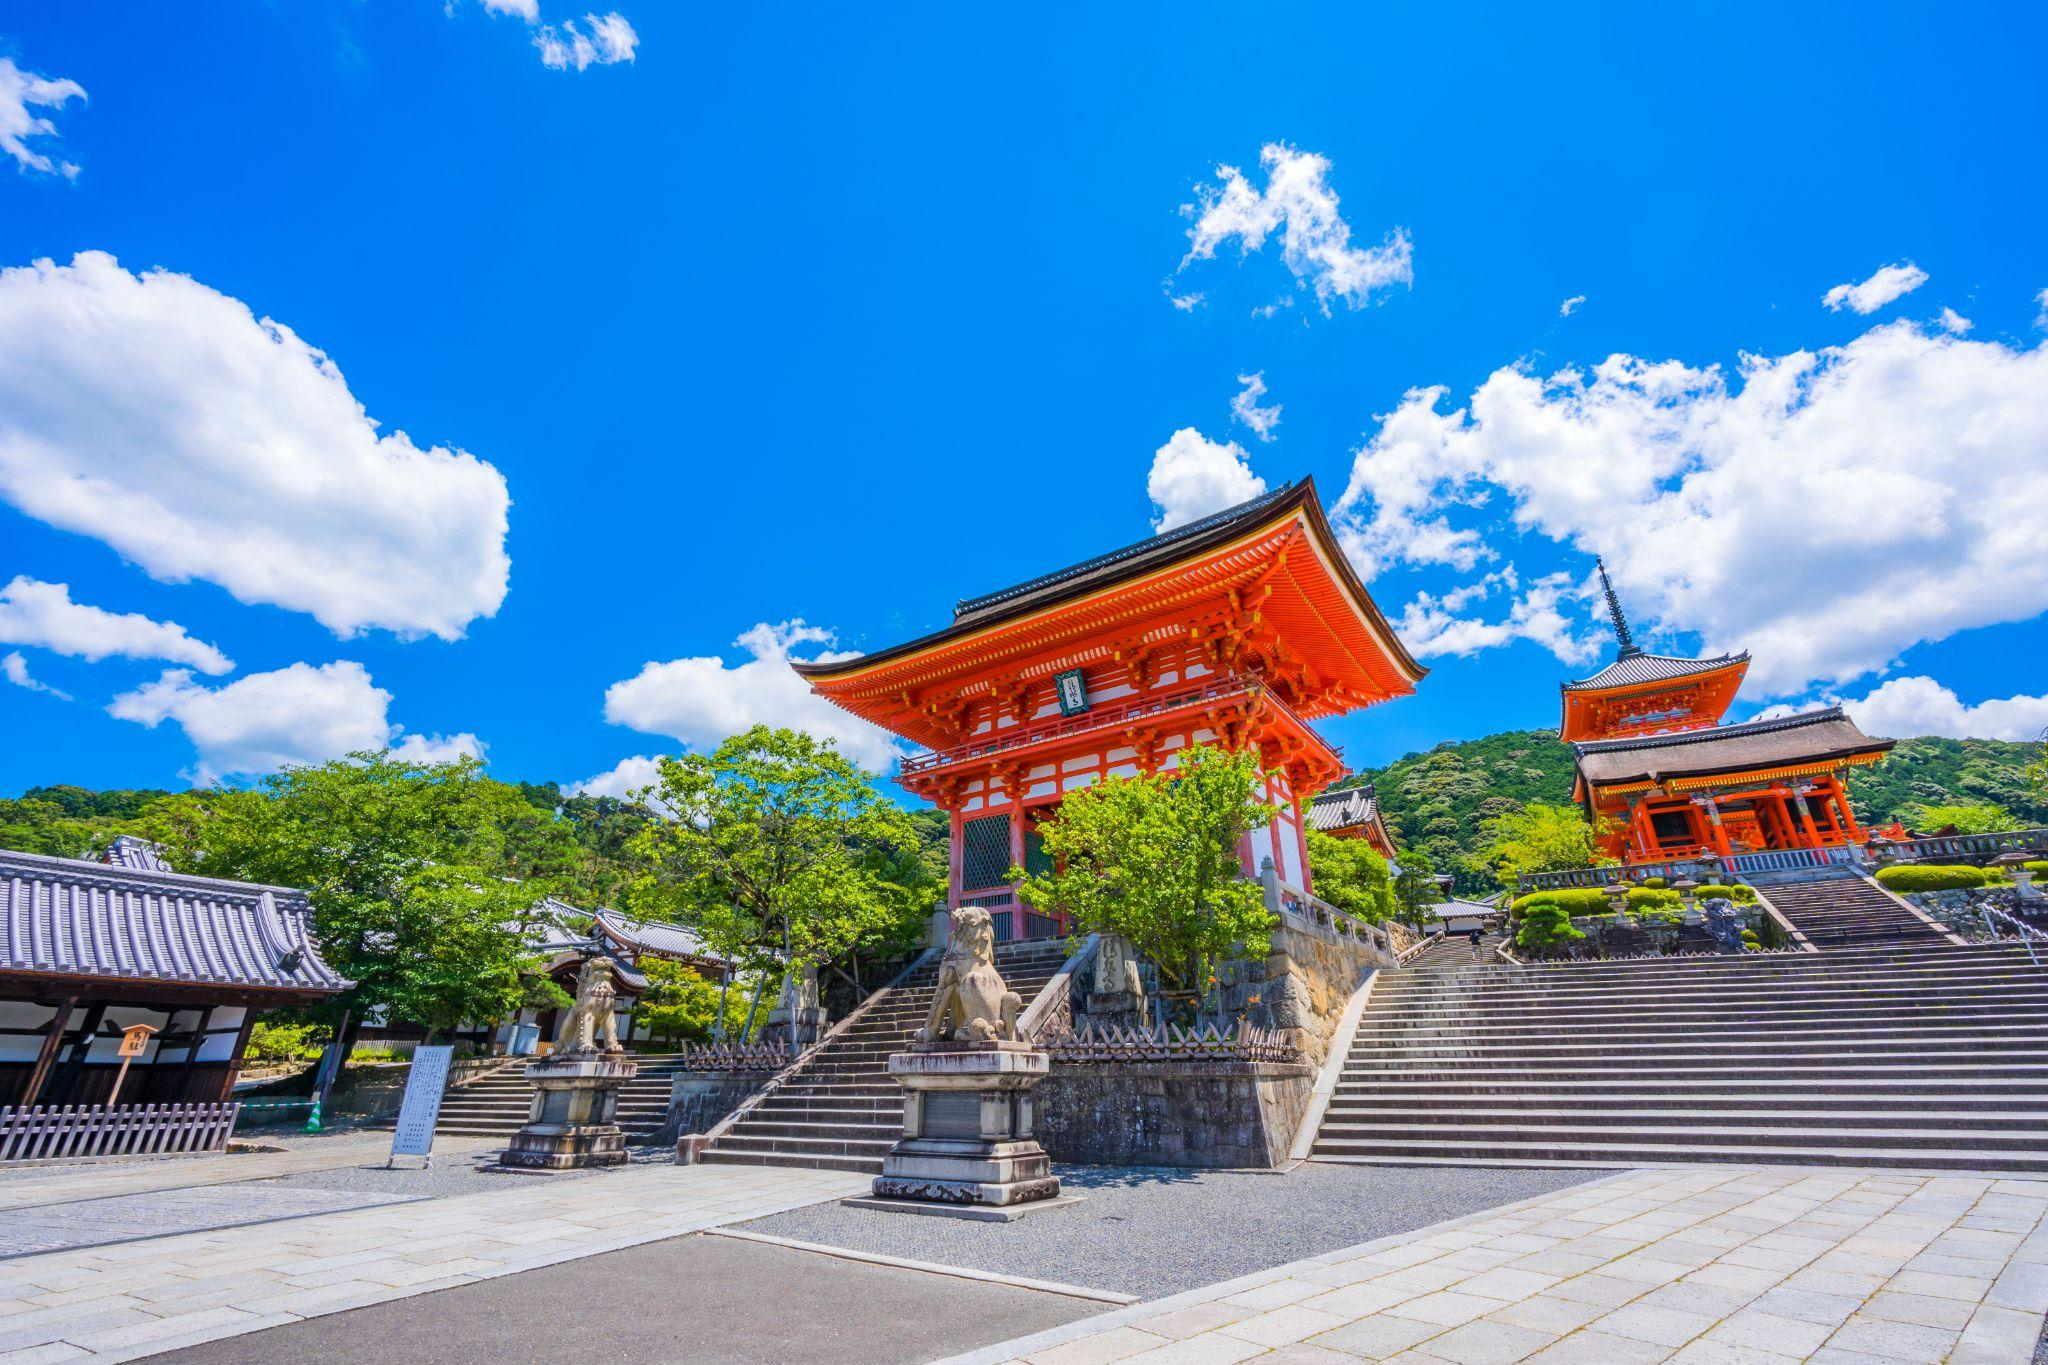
x=48, y=1056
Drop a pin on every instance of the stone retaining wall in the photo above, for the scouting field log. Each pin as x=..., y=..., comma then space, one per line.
x=1219, y=1115
x=1961, y=911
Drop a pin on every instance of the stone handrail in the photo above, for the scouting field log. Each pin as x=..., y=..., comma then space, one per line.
x=2026, y=933
x=1964, y=845
x=1301, y=910
x=1051, y=1011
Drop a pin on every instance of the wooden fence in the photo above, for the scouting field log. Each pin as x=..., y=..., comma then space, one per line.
x=60, y=1132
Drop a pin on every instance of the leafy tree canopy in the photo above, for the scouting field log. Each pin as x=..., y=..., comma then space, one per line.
x=778, y=849
x=679, y=1005
x=1538, y=838
x=1351, y=875
x=423, y=878
x=1982, y=817
x=1155, y=859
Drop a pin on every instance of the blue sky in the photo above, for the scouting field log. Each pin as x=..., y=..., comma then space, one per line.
x=763, y=315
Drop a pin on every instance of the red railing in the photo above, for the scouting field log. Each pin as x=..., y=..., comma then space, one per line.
x=1099, y=718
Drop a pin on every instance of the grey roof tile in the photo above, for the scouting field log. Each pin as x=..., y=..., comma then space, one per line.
x=69, y=917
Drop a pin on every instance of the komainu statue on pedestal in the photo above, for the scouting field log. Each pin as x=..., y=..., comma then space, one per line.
x=592, y=1016
x=972, y=1005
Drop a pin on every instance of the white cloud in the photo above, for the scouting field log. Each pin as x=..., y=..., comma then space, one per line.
x=15, y=669
x=611, y=39
x=529, y=10
x=200, y=442
x=1952, y=321
x=1827, y=514
x=1906, y=707
x=301, y=714
x=1186, y=303
x=1890, y=282
x=623, y=779
x=1433, y=625
x=1315, y=240
x=1570, y=305
x=1245, y=406
x=2041, y=320
x=1193, y=476
x=43, y=615
x=703, y=701
x=21, y=91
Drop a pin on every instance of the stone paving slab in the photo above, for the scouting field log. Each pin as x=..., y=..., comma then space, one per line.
x=1699, y=1265
x=137, y=1298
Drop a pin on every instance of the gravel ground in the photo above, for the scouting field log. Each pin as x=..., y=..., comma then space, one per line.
x=1153, y=1232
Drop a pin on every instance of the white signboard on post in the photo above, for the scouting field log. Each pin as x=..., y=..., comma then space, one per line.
x=421, y=1107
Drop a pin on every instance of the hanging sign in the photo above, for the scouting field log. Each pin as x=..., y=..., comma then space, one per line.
x=135, y=1040
x=421, y=1107
x=1072, y=689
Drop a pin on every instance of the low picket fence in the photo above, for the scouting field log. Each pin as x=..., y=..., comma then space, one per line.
x=48, y=1132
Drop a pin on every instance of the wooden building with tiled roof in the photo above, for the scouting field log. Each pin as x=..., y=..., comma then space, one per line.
x=91, y=950
x=1240, y=629
x=1653, y=761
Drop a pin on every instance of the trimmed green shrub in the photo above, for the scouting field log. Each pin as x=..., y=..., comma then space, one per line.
x=1654, y=883
x=1575, y=900
x=1742, y=895
x=1931, y=877
x=1642, y=897
x=1546, y=925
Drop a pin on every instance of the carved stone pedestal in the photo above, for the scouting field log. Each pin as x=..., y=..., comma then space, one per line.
x=574, y=1123
x=968, y=1144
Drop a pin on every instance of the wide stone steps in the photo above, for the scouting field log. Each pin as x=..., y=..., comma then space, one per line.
x=1849, y=911
x=841, y=1111
x=1917, y=1052
x=498, y=1105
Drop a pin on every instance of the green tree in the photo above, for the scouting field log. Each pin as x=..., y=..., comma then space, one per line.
x=407, y=869
x=679, y=1006
x=1155, y=859
x=1540, y=838
x=1351, y=875
x=1983, y=817
x=780, y=852
x=1546, y=925
x=1415, y=885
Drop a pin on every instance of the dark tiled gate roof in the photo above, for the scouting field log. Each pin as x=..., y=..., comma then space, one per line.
x=1810, y=737
x=68, y=918
x=1641, y=668
x=1343, y=809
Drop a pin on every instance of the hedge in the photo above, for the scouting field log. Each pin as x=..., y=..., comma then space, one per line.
x=1737, y=892
x=1932, y=877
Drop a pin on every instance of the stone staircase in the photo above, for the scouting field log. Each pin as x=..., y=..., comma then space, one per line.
x=1921, y=1054
x=1848, y=910
x=842, y=1111
x=498, y=1104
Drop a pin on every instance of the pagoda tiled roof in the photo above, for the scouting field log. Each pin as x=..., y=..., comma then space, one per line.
x=1808, y=737
x=1132, y=562
x=1343, y=809
x=1131, y=559
x=1639, y=667
x=66, y=917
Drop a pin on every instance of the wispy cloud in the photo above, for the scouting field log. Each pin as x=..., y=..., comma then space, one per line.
x=1245, y=406
x=1889, y=283
x=23, y=91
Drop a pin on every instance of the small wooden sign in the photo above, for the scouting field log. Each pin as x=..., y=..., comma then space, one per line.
x=135, y=1040
x=1072, y=690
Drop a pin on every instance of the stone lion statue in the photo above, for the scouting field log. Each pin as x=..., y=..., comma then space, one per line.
x=972, y=1005
x=592, y=1017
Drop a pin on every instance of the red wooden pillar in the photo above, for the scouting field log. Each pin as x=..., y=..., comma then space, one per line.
x=1848, y=812
x=955, y=851
x=1812, y=831
x=1015, y=789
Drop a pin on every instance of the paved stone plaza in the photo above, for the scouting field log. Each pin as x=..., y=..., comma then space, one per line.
x=1691, y=1264
x=1699, y=1265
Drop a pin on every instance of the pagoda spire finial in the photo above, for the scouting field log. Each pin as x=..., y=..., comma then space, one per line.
x=1628, y=644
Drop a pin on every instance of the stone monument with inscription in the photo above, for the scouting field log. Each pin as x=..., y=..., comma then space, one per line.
x=574, y=1121
x=968, y=1146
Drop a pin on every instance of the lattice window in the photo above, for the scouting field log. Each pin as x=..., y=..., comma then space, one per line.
x=1036, y=861
x=984, y=851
